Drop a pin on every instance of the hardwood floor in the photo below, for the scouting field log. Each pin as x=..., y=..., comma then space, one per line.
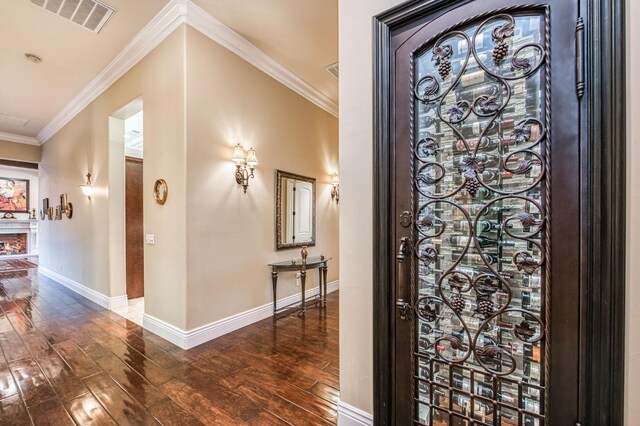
x=66, y=360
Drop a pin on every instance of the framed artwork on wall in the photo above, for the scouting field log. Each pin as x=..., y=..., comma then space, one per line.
x=14, y=195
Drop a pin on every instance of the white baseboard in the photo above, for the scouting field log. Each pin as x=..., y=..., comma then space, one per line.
x=197, y=336
x=349, y=415
x=96, y=297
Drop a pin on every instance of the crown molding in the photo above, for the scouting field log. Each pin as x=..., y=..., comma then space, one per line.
x=177, y=12
x=11, y=137
x=202, y=21
x=159, y=28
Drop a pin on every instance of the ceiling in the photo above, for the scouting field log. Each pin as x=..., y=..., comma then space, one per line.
x=71, y=57
x=302, y=39
x=300, y=35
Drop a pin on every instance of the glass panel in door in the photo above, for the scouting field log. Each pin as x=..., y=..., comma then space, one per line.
x=480, y=152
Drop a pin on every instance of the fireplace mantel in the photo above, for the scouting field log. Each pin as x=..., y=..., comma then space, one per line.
x=21, y=226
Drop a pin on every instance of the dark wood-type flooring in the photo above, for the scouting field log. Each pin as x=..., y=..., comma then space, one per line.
x=66, y=360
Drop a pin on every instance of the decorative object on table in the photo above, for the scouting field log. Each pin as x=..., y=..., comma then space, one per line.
x=322, y=257
x=335, y=187
x=87, y=188
x=8, y=215
x=33, y=215
x=295, y=211
x=14, y=195
x=67, y=207
x=304, y=253
x=161, y=191
x=293, y=261
x=246, y=162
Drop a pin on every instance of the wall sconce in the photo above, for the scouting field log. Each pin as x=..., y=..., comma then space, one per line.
x=335, y=187
x=88, y=189
x=246, y=163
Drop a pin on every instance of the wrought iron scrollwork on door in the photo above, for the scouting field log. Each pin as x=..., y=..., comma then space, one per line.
x=481, y=175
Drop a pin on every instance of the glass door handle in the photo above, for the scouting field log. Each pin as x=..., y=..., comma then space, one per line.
x=401, y=304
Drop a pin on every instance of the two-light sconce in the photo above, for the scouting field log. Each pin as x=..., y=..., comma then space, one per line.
x=335, y=187
x=87, y=188
x=64, y=208
x=246, y=162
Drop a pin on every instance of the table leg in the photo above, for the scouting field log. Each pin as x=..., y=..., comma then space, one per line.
x=324, y=282
x=274, y=282
x=319, y=286
x=303, y=279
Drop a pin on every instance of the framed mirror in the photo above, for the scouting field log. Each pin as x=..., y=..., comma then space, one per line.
x=295, y=210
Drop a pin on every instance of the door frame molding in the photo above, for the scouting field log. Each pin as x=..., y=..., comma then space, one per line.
x=603, y=176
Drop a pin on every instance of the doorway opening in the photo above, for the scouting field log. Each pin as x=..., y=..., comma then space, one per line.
x=126, y=210
x=134, y=216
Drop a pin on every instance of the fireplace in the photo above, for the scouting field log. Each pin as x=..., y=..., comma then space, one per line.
x=18, y=238
x=12, y=244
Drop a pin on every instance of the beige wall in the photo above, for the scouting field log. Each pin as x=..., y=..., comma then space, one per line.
x=213, y=242
x=356, y=182
x=632, y=379
x=79, y=248
x=231, y=234
x=20, y=152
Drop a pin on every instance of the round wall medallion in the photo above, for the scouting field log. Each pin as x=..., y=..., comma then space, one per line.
x=68, y=210
x=161, y=191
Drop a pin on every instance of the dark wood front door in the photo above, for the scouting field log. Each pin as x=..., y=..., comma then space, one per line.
x=485, y=202
x=134, y=228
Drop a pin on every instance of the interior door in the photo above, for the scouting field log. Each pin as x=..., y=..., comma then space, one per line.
x=485, y=147
x=134, y=227
x=303, y=212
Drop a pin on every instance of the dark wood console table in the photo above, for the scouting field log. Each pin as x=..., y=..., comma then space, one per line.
x=316, y=262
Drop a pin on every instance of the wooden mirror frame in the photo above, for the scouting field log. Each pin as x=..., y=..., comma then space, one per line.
x=278, y=204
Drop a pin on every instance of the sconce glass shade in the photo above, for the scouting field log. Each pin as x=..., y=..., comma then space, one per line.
x=252, y=160
x=238, y=154
x=87, y=190
x=335, y=179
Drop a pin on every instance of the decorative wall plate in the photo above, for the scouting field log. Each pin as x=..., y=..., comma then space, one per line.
x=161, y=191
x=68, y=210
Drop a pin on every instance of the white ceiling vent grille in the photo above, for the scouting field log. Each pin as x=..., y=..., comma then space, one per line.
x=16, y=122
x=333, y=70
x=90, y=14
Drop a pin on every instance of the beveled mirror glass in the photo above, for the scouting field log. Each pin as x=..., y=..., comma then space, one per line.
x=295, y=210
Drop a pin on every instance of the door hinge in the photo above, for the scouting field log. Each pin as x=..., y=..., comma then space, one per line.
x=580, y=83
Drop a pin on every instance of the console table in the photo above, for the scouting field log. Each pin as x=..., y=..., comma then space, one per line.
x=319, y=263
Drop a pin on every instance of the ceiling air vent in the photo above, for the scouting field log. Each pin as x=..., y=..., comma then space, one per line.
x=8, y=120
x=333, y=70
x=91, y=14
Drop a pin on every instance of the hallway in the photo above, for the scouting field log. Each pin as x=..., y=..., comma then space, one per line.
x=66, y=360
